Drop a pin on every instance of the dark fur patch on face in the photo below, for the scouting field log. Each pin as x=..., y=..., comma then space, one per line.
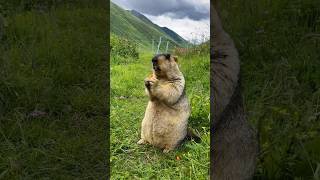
x=156, y=63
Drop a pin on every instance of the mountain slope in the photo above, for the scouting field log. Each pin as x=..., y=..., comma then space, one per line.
x=137, y=27
x=141, y=16
x=173, y=35
x=166, y=30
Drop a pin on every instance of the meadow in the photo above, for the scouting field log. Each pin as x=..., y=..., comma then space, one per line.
x=128, y=103
x=53, y=90
x=279, y=44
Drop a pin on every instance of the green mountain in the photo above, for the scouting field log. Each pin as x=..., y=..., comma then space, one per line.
x=168, y=31
x=135, y=26
x=173, y=35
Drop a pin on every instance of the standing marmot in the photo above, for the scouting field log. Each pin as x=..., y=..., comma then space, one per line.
x=166, y=117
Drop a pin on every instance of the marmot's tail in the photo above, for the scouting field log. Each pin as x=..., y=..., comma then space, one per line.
x=191, y=134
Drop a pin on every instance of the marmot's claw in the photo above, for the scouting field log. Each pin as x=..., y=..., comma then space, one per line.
x=166, y=150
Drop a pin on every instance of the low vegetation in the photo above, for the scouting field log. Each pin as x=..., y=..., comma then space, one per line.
x=122, y=50
x=53, y=93
x=279, y=46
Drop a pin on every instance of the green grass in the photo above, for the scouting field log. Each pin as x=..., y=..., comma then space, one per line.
x=53, y=61
x=128, y=103
x=279, y=46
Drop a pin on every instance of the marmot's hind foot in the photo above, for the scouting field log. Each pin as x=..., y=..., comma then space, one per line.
x=166, y=150
x=141, y=141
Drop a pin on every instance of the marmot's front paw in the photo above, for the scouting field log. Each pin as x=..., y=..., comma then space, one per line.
x=148, y=82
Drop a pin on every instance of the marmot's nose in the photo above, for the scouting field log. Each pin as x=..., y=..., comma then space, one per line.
x=154, y=62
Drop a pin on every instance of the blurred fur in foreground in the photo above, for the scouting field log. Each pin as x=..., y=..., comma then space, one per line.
x=233, y=141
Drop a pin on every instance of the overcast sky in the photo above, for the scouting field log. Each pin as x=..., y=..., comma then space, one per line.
x=189, y=18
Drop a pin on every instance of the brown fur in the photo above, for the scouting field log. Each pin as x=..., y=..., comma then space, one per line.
x=166, y=117
x=233, y=141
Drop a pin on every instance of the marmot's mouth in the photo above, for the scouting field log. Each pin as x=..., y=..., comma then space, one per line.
x=156, y=68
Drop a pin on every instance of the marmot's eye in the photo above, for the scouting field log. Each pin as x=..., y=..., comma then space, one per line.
x=154, y=60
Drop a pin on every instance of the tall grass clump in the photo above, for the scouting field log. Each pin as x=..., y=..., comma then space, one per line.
x=123, y=50
x=193, y=50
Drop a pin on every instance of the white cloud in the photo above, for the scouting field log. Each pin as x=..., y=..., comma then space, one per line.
x=189, y=29
x=193, y=9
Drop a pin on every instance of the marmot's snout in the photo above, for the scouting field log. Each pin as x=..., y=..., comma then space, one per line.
x=155, y=64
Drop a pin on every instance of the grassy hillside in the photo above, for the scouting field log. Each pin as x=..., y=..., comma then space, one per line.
x=136, y=27
x=279, y=47
x=128, y=103
x=174, y=35
x=53, y=95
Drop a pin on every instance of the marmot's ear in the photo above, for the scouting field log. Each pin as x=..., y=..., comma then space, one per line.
x=175, y=58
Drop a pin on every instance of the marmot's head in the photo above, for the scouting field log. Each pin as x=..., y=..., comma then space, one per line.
x=165, y=65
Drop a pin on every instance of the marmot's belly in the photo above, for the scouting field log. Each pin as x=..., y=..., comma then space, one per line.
x=165, y=125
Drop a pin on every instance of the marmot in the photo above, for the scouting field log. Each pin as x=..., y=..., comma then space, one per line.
x=166, y=117
x=234, y=142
